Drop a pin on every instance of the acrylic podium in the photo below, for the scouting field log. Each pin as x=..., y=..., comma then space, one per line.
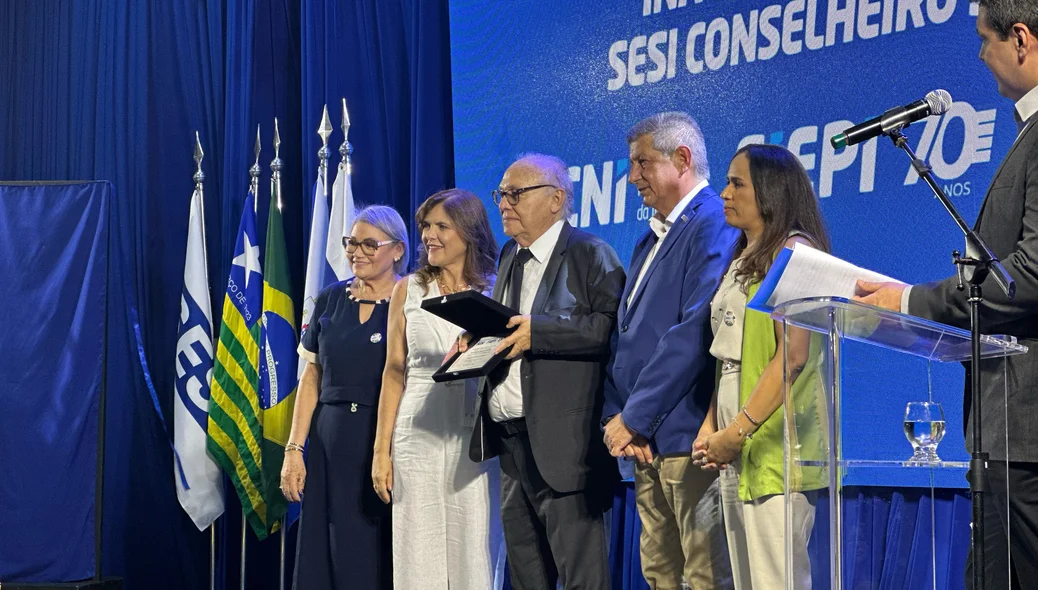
x=815, y=464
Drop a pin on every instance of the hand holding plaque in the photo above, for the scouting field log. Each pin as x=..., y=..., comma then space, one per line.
x=485, y=321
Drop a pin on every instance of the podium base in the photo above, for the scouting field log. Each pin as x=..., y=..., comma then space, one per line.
x=106, y=583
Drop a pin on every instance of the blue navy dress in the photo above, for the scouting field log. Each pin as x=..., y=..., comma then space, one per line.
x=344, y=537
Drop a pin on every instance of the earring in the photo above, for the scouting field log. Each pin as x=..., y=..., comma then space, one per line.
x=397, y=259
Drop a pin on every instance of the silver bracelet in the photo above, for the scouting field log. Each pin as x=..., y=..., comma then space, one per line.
x=293, y=447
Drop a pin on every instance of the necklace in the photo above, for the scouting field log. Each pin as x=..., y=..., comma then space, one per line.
x=444, y=290
x=357, y=299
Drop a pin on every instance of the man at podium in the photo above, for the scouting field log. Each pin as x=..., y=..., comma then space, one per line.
x=1008, y=222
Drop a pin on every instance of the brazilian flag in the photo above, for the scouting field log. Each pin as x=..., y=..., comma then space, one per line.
x=235, y=432
x=278, y=370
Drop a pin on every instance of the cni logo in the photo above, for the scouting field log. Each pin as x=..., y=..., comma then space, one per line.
x=601, y=189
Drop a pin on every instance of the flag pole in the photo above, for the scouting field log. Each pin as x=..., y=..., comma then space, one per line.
x=212, y=556
x=241, y=570
x=199, y=178
x=254, y=173
x=275, y=180
x=284, y=532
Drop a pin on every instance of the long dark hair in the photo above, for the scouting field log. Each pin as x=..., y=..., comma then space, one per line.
x=787, y=204
x=470, y=220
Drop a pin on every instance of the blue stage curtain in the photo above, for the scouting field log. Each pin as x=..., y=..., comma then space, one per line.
x=391, y=61
x=108, y=90
x=102, y=90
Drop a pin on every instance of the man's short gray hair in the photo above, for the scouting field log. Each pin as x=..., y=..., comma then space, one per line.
x=671, y=130
x=388, y=221
x=555, y=172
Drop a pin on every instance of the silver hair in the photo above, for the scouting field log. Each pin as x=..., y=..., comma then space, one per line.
x=671, y=130
x=555, y=172
x=388, y=221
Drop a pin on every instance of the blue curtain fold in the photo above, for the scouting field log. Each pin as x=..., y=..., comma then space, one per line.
x=390, y=60
x=91, y=89
x=101, y=90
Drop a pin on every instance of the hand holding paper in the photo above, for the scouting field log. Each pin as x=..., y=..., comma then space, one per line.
x=884, y=295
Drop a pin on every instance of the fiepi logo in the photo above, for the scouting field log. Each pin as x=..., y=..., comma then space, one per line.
x=950, y=158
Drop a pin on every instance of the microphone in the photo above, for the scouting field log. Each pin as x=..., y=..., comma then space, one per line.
x=936, y=102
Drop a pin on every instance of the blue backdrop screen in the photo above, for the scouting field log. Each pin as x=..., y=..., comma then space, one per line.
x=571, y=78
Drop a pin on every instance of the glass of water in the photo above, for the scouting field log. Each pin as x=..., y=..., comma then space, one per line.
x=924, y=428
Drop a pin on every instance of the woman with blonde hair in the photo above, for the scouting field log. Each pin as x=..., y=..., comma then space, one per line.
x=344, y=535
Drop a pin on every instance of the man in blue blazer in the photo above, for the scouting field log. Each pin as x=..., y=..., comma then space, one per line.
x=661, y=375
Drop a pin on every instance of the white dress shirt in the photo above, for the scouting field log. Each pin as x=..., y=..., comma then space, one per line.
x=506, y=400
x=660, y=228
x=1024, y=109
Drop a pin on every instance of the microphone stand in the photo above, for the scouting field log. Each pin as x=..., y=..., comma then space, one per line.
x=978, y=263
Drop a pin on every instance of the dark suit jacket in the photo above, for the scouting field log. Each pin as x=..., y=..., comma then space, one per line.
x=572, y=318
x=662, y=375
x=1008, y=222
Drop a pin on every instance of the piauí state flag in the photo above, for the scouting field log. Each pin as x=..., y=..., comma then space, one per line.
x=235, y=418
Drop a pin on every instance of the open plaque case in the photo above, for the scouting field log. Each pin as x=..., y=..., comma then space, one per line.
x=483, y=318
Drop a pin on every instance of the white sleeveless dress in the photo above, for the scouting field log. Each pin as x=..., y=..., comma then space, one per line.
x=446, y=518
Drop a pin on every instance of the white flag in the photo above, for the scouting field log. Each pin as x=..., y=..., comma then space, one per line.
x=198, y=478
x=317, y=274
x=340, y=222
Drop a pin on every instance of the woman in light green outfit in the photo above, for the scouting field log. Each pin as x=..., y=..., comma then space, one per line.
x=770, y=198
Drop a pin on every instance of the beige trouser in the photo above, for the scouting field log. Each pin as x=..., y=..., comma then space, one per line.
x=757, y=542
x=674, y=541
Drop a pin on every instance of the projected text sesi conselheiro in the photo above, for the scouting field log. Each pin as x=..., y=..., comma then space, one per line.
x=762, y=34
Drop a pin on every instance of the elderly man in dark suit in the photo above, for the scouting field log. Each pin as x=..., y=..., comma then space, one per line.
x=1008, y=222
x=540, y=411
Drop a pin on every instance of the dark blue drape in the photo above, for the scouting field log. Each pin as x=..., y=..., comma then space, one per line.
x=390, y=60
x=91, y=89
x=101, y=90
x=54, y=260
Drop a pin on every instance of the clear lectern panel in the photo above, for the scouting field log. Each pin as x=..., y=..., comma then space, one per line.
x=869, y=397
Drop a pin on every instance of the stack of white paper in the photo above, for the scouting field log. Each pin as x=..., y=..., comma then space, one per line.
x=806, y=272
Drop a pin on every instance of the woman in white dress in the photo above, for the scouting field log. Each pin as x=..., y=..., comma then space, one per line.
x=446, y=521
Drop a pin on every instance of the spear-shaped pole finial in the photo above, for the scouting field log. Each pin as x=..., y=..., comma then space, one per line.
x=346, y=150
x=255, y=171
x=323, y=154
x=275, y=164
x=324, y=131
x=199, y=154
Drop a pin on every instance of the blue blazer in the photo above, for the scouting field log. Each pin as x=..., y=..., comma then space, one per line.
x=661, y=374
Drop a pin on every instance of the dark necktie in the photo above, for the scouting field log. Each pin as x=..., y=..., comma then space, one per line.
x=515, y=279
